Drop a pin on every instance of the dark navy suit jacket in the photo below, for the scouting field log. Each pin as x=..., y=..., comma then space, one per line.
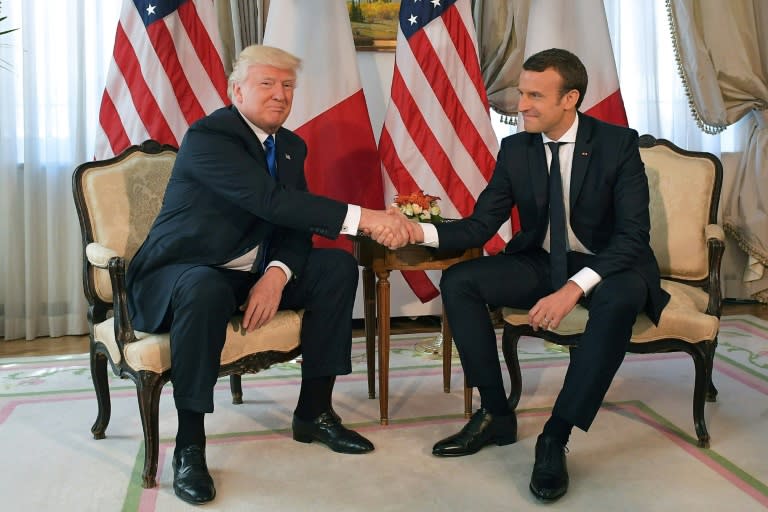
x=220, y=203
x=608, y=203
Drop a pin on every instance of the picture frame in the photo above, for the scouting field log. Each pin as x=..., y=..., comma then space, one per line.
x=374, y=24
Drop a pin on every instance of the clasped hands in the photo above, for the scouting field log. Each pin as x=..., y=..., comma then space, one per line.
x=390, y=227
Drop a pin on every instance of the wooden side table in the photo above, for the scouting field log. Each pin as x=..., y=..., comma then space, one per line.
x=378, y=260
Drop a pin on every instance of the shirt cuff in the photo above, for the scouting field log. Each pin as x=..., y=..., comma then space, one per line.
x=351, y=221
x=430, y=235
x=586, y=279
x=283, y=266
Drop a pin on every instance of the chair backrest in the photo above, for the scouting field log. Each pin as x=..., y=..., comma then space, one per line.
x=117, y=201
x=684, y=195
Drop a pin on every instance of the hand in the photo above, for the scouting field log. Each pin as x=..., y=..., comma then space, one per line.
x=388, y=227
x=549, y=311
x=263, y=299
x=416, y=232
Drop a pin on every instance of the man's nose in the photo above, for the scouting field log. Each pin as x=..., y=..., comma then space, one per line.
x=278, y=92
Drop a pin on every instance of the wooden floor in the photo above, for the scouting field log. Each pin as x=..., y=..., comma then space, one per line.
x=79, y=344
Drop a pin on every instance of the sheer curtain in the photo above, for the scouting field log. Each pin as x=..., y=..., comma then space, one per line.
x=49, y=99
x=653, y=93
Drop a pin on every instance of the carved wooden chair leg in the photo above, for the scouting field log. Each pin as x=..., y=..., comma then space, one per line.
x=711, y=389
x=509, y=341
x=236, y=386
x=699, y=394
x=148, y=388
x=101, y=385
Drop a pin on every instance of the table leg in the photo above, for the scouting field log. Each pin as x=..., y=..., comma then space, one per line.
x=447, y=350
x=369, y=312
x=382, y=306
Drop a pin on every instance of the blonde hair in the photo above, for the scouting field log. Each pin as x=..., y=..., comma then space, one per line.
x=260, y=54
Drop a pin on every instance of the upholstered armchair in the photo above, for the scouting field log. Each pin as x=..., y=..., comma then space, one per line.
x=688, y=243
x=117, y=200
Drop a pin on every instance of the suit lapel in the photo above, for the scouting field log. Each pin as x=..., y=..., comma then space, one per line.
x=581, y=155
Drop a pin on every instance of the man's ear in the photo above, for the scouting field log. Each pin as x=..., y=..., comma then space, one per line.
x=237, y=93
x=571, y=98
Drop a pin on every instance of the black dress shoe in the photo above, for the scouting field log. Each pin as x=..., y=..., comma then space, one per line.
x=549, y=480
x=328, y=430
x=191, y=480
x=482, y=429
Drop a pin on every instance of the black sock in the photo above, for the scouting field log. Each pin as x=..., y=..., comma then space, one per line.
x=493, y=400
x=558, y=428
x=191, y=429
x=314, y=397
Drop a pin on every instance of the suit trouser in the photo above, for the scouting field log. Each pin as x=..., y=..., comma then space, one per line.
x=205, y=298
x=520, y=280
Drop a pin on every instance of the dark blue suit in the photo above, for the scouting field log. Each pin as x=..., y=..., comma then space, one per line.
x=608, y=214
x=220, y=203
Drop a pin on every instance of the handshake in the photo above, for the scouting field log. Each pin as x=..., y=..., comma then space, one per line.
x=390, y=227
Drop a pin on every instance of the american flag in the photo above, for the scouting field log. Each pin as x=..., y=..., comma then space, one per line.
x=166, y=73
x=437, y=134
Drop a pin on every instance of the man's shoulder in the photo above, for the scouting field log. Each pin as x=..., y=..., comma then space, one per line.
x=599, y=128
x=519, y=139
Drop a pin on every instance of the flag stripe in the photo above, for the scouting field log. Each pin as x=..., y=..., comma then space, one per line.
x=165, y=74
x=109, y=117
x=456, y=24
x=439, y=69
x=437, y=134
x=141, y=94
x=162, y=42
x=204, y=48
x=421, y=133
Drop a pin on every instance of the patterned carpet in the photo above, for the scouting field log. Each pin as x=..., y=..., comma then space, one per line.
x=639, y=455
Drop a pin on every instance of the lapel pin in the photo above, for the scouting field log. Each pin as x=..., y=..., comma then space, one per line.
x=287, y=156
x=584, y=153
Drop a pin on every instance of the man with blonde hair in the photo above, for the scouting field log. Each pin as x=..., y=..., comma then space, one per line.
x=234, y=232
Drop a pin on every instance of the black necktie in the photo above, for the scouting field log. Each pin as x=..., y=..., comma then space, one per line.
x=557, y=230
x=269, y=150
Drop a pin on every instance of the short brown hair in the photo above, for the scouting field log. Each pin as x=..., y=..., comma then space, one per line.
x=567, y=65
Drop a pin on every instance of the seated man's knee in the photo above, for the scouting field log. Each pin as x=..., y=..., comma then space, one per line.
x=455, y=279
x=339, y=265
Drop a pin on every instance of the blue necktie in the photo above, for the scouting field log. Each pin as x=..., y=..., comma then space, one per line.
x=269, y=150
x=557, y=231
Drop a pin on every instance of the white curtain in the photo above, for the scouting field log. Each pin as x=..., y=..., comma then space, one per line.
x=49, y=99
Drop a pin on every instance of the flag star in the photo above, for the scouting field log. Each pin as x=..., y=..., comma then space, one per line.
x=151, y=9
x=436, y=3
x=413, y=19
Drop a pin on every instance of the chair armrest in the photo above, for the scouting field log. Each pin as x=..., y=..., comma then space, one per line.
x=123, y=328
x=714, y=231
x=99, y=255
x=716, y=245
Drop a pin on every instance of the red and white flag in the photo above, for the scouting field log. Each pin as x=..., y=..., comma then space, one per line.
x=582, y=29
x=329, y=110
x=166, y=73
x=437, y=134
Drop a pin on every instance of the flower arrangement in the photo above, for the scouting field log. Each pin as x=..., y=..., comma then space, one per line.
x=419, y=206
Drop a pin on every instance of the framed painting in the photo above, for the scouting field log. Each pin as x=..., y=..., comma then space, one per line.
x=374, y=24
